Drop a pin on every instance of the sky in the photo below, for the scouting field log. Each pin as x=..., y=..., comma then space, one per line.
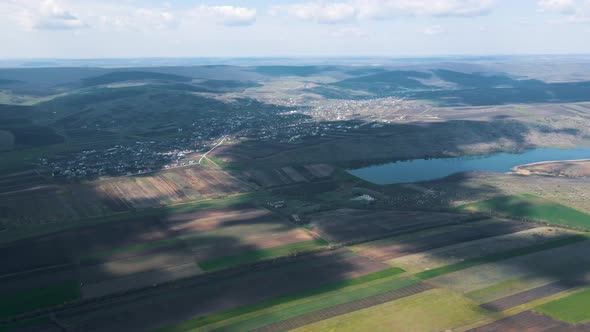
x=79, y=29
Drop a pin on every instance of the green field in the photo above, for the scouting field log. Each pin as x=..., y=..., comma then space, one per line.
x=572, y=309
x=498, y=290
x=256, y=255
x=33, y=299
x=428, y=274
x=26, y=324
x=232, y=313
x=526, y=206
x=6, y=140
x=301, y=307
x=434, y=310
x=523, y=111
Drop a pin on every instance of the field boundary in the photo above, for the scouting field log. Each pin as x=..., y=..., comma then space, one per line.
x=530, y=295
x=345, y=308
x=333, y=286
x=193, y=281
x=258, y=255
x=428, y=274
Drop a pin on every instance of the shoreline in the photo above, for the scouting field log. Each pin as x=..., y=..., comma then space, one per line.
x=520, y=169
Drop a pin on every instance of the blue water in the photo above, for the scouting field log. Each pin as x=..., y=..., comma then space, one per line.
x=429, y=169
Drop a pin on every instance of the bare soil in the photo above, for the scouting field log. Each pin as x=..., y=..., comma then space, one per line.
x=531, y=322
x=569, y=168
x=536, y=293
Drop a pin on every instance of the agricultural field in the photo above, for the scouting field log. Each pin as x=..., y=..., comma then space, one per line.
x=271, y=314
x=353, y=225
x=116, y=257
x=418, y=242
x=35, y=200
x=433, y=310
x=466, y=188
x=572, y=309
x=534, y=261
x=31, y=198
x=14, y=303
x=455, y=253
x=6, y=140
x=20, y=181
x=530, y=321
x=168, y=187
x=530, y=207
x=464, y=272
x=289, y=175
x=201, y=297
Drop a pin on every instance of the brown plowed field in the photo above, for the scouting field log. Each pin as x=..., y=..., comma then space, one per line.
x=170, y=186
x=527, y=296
x=349, y=225
x=529, y=321
x=342, y=309
x=429, y=242
x=202, y=221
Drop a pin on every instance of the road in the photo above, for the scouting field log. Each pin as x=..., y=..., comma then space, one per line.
x=213, y=148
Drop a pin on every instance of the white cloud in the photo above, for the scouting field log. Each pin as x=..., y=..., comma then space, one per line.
x=386, y=9
x=228, y=15
x=576, y=11
x=138, y=19
x=324, y=13
x=561, y=6
x=344, y=11
x=118, y=15
x=50, y=15
x=433, y=30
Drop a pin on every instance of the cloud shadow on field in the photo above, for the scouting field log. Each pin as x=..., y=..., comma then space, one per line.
x=118, y=263
x=147, y=247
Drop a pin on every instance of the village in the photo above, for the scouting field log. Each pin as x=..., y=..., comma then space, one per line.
x=165, y=152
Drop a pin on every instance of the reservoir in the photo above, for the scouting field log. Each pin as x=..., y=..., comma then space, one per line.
x=429, y=169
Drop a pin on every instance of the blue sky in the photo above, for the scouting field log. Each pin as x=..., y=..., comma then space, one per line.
x=241, y=28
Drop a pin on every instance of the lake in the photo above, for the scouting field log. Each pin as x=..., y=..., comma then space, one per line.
x=429, y=169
